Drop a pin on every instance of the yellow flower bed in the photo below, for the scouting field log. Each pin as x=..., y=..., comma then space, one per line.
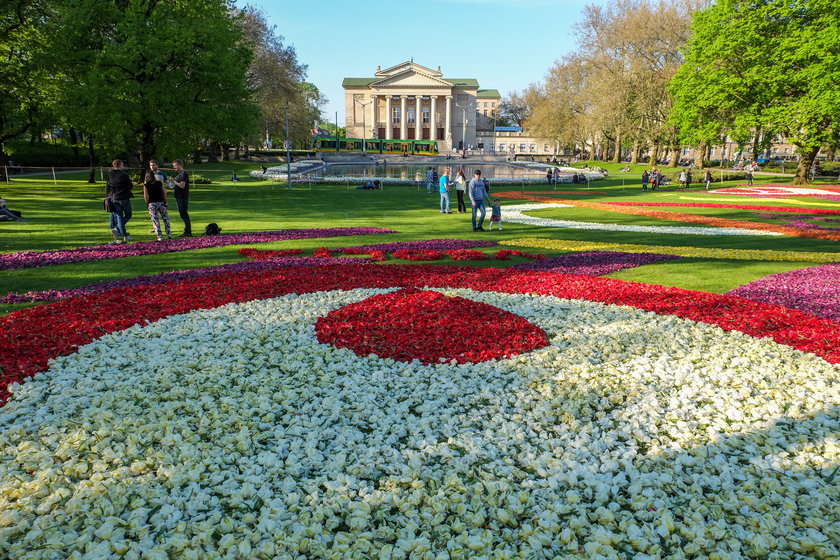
x=711, y=253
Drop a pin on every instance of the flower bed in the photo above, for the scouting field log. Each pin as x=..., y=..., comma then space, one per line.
x=515, y=213
x=268, y=253
x=430, y=244
x=595, y=263
x=467, y=255
x=734, y=225
x=754, y=207
x=506, y=254
x=32, y=259
x=418, y=255
x=631, y=432
x=176, y=276
x=681, y=251
x=814, y=290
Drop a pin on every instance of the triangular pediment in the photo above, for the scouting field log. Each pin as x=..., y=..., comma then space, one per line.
x=411, y=78
x=407, y=65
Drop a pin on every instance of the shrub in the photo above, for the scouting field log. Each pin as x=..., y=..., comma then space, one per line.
x=199, y=180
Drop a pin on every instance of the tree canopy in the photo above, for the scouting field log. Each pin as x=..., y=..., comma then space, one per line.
x=767, y=65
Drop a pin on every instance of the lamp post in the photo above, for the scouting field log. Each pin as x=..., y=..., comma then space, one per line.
x=464, y=124
x=364, y=124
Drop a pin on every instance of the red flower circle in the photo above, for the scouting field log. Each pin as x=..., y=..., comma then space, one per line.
x=430, y=327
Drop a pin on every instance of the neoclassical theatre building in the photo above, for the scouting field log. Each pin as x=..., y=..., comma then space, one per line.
x=412, y=102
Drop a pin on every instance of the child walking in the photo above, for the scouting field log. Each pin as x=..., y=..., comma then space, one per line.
x=155, y=196
x=496, y=214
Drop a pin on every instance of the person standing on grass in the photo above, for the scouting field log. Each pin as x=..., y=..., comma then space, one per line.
x=496, y=214
x=708, y=178
x=645, y=179
x=460, y=188
x=119, y=190
x=155, y=196
x=444, y=186
x=478, y=192
x=429, y=178
x=181, y=185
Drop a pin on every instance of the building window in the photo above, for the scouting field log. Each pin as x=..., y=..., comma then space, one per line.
x=485, y=104
x=410, y=112
x=521, y=147
x=546, y=148
x=485, y=111
x=426, y=116
x=494, y=104
x=502, y=147
x=395, y=115
x=533, y=148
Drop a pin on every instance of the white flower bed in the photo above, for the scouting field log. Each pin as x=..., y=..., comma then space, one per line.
x=233, y=433
x=515, y=213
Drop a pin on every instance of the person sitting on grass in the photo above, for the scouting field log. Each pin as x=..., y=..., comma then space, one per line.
x=7, y=215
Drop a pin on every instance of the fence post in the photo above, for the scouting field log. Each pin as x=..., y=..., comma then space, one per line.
x=6, y=171
x=55, y=181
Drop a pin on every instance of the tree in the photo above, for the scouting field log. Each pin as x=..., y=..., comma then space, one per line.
x=771, y=65
x=513, y=110
x=153, y=76
x=278, y=80
x=26, y=83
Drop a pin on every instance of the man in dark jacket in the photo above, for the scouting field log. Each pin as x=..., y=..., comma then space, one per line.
x=118, y=189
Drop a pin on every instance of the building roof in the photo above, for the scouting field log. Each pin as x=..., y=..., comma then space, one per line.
x=488, y=94
x=462, y=82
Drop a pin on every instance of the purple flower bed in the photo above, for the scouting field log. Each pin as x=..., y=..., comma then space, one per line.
x=32, y=259
x=428, y=244
x=594, y=263
x=179, y=275
x=814, y=290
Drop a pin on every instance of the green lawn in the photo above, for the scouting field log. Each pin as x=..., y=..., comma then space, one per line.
x=70, y=214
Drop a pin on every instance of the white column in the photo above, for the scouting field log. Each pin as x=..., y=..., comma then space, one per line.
x=418, y=119
x=388, y=126
x=403, y=117
x=433, y=119
x=373, y=116
x=447, y=124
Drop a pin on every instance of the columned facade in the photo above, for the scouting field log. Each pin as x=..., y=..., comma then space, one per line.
x=405, y=104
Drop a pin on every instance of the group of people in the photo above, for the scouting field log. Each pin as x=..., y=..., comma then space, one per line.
x=119, y=192
x=479, y=194
x=655, y=179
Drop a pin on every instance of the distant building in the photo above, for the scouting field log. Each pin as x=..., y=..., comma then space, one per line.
x=411, y=102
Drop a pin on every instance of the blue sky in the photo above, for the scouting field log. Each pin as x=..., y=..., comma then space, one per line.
x=504, y=44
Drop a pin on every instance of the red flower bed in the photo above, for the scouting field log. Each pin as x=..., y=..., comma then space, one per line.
x=418, y=255
x=268, y=253
x=375, y=254
x=415, y=324
x=467, y=255
x=31, y=337
x=506, y=254
x=323, y=252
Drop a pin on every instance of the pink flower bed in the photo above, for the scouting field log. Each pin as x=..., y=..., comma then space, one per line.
x=814, y=290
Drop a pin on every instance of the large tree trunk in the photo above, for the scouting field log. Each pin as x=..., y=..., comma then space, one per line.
x=147, y=149
x=700, y=155
x=3, y=163
x=806, y=159
x=634, y=157
x=675, y=157
x=617, y=154
x=654, y=154
x=92, y=156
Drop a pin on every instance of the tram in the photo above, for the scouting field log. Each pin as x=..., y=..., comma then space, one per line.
x=374, y=146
